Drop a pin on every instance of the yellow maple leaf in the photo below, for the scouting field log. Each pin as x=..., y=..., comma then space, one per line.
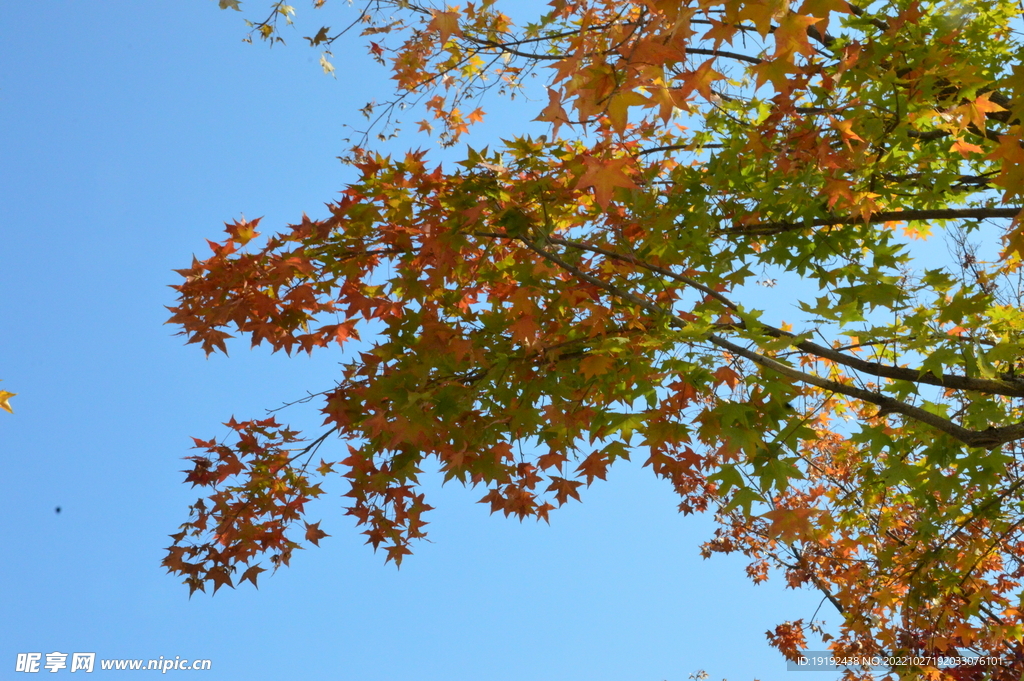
x=919, y=231
x=791, y=35
x=777, y=71
x=618, y=107
x=4, y=401
x=822, y=8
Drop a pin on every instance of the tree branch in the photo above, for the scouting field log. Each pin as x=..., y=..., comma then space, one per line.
x=781, y=226
x=988, y=438
x=1012, y=387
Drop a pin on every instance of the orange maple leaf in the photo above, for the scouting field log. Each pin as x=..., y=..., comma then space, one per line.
x=564, y=489
x=4, y=401
x=554, y=113
x=219, y=576
x=790, y=524
x=595, y=365
x=699, y=80
x=720, y=32
x=1011, y=152
x=1014, y=243
x=251, y=574
x=525, y=329
x=845, y=128
x=445, y=23
x=965, y=149
x=242, y=231
x=314, y=534
x=605, y=176
x=594, y=466
x=727, y=375
x=975, y=112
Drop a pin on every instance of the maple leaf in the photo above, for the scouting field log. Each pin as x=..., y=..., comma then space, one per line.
x=845, y=128
x=918, y=231
x=445, y=23
x=778, y=71
x=230, y=4
x=618, y=107
x=242, y=232
x=594, y=466
x=976, y=112
x=664, y=99
x=1011, y=153
x=789, y=638
x=699, y=80
x=524, y=330
x=220, y=577
x=719, y=32
x=791, y=524
x=326, y=65
x=605, y=176
x=314, y=534
x=5, y=403
x=252, y=574
x=1014, y=241
x=791, y=35
x=965, y=149
x=822, y=8
x=320, y=37
x=397, y=553
x=551, y=460
x=726, y=375
x=595, y=365
x=564, y=489
x=553, y=113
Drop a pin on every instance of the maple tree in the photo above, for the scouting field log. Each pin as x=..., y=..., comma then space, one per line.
x=537, y=311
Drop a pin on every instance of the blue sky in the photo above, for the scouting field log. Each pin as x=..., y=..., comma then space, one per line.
x=129, y=132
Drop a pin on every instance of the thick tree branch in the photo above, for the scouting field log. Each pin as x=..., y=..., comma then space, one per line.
x=988, y=438
x=778, y=227
x=1012, y=387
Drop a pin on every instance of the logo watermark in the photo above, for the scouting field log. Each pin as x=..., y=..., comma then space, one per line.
x=33, y=663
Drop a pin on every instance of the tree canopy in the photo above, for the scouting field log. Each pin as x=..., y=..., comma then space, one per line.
x=541, y=309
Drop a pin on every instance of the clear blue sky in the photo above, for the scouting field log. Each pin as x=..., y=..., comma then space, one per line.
x=129, y=131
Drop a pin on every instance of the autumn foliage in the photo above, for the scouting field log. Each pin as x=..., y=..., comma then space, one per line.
x=535, y=312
